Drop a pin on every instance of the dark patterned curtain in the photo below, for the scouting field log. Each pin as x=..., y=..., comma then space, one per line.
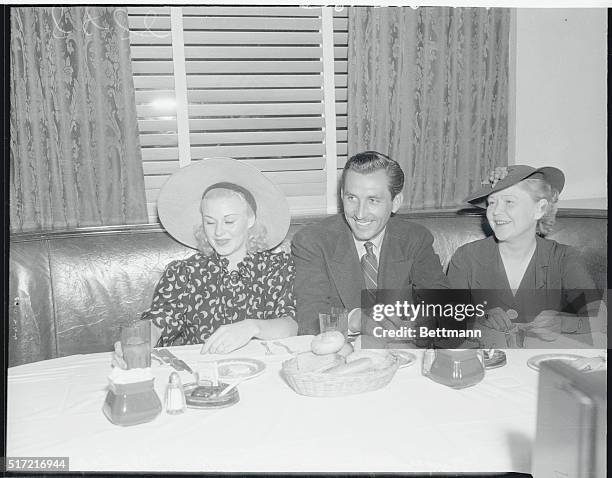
x=75, y=152
x=429, y=87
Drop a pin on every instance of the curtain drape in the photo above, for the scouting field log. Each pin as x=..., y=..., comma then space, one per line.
x=429, y=87
x=74, y=152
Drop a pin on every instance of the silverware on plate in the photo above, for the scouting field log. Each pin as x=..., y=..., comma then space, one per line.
x=267, y=347
x=280, y=344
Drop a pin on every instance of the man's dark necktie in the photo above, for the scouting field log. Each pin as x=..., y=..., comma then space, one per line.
x=369, y=266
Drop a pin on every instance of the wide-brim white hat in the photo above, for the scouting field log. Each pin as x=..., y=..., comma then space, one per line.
x=178, y=205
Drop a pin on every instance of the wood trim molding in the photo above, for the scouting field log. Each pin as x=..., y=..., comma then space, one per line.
x=295, y=221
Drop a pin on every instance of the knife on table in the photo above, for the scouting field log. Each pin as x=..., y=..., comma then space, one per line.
x=168, y=357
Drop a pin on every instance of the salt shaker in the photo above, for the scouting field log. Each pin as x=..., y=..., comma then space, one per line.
x=175, y=396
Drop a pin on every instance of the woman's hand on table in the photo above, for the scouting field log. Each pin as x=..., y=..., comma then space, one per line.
x=117, y=360
x=230, y=337
x=546, y=325
x=497, y=319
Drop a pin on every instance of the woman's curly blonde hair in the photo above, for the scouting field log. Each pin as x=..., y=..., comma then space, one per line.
x=541, y=189
x=257, y=240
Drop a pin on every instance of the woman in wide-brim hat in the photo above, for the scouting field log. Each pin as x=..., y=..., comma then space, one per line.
x=520, y=204
x=235, y=288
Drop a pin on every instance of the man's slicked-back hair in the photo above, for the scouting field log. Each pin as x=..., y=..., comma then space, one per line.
x=371, y=161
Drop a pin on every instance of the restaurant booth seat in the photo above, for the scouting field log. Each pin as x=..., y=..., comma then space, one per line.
x=69, y=291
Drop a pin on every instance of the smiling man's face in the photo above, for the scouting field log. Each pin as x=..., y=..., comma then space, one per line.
x=368, y=203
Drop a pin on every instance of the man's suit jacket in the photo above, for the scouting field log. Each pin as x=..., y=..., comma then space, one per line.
x=328, y=270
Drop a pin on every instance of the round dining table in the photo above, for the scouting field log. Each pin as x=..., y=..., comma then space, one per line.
x=54, y=409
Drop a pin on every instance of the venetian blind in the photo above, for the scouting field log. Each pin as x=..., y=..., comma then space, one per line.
x=249, y=84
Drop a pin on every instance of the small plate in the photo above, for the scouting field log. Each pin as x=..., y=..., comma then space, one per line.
x=239, y=368
x=210, y=399
x=406, y=359
x=534, y=362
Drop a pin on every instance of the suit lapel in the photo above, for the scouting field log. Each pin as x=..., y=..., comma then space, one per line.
x=394, y=268
x=345, y=269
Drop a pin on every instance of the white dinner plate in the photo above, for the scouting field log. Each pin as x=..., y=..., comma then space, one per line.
x=239, y=368
x=535, y=361
x=406, y=359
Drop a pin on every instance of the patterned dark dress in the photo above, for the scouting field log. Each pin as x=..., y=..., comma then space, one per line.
x=197, y=295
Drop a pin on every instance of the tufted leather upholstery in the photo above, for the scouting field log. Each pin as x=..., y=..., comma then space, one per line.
x=69, y=291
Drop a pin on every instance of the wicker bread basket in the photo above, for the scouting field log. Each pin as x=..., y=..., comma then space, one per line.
x=321, y=384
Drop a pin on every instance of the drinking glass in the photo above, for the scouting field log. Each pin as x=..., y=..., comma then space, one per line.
x=328, y=322
x=136, y=344
x=515, y=337
x=502, y=339
x=336, y=319
x=340, y=317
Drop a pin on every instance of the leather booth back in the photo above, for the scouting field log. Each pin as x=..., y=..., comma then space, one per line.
x=69, y=291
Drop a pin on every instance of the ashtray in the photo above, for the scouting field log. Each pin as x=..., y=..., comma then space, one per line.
x=206, y=395
x=495, y=359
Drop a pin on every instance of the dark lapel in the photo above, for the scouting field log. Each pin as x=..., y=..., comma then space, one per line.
x=542, y=258
x=394, y=267
x=491, y=274
x=533, y=296
x=489, y=268
x=345, y=268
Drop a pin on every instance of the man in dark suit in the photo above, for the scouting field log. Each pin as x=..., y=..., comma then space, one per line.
x=363, y=249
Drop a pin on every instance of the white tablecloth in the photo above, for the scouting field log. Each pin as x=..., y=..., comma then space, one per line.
x=412, y=425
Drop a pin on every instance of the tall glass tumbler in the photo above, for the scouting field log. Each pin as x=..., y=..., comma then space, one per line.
x=136, y=344
x=340, y=318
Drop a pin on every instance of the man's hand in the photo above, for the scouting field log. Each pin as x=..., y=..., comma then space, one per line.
x=392, y=322
x=228, y=338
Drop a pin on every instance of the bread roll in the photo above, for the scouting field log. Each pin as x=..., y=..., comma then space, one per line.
x=346, y=350
x=356, y=366
x=327, y=342
x=309, y=362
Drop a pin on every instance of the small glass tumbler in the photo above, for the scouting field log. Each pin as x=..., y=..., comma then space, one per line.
x=328, y=322
x=136, y=344
x=515, y=337
x=501, y=339
x=339, y=316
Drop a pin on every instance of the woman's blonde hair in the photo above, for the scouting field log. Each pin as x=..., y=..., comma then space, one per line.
x=257, y=240
x=541, y=189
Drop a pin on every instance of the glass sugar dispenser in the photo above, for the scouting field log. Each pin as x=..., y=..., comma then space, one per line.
x=455, y=368
x=131, y=398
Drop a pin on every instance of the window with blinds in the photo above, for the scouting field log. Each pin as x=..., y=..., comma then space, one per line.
x=252, y=83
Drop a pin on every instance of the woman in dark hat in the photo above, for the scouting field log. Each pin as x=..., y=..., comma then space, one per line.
x=540, y=280
x=234, y=289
